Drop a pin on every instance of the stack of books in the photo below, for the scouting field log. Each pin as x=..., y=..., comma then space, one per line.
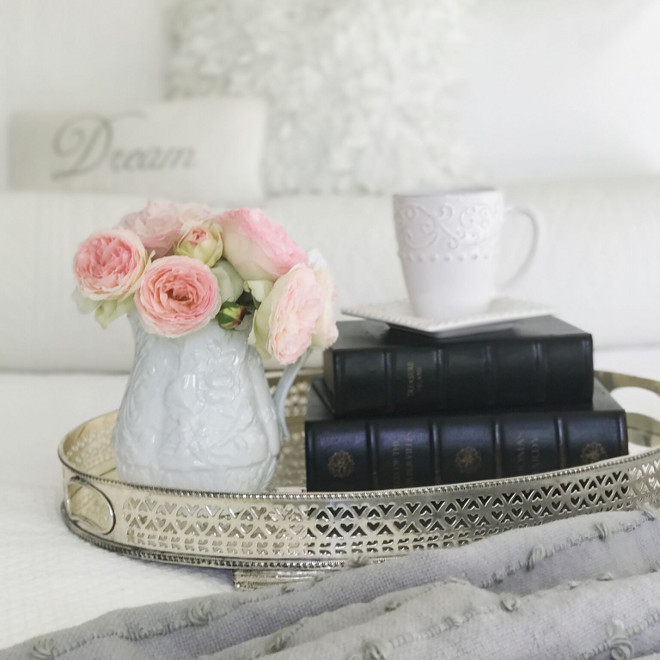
x=395, y=409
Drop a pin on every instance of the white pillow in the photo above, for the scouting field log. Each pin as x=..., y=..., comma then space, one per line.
x=362, y=95
x=205, y=151
x=563, y=88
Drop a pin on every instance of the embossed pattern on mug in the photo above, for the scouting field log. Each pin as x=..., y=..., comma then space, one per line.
x=467, y=233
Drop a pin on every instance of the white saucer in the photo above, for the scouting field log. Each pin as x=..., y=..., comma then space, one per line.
x=501, y=313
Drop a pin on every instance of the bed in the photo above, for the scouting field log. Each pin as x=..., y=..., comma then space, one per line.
x=549, y=103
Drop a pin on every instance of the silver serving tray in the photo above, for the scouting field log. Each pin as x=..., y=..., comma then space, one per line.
x=285, y=533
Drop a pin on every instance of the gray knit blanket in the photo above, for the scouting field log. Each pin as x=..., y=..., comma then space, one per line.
x=582, y=588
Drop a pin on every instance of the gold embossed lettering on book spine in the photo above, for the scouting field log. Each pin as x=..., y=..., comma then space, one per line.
x=286, y=533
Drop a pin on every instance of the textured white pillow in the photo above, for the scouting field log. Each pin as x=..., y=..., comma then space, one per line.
x=205, y=150
x=563, y=88
x=361, y=94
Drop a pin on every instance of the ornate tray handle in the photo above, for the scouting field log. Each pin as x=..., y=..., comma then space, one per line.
x=286, y=533
x=87, y=507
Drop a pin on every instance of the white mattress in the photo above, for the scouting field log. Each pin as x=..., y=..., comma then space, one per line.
x=50, y=578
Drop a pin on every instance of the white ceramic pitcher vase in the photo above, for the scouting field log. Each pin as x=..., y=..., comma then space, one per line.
x=197, y=413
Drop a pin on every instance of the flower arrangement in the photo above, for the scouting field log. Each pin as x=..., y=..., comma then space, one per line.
x=181, y=267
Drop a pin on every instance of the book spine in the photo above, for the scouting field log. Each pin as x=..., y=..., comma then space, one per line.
x=385, y=453
x=460, y=376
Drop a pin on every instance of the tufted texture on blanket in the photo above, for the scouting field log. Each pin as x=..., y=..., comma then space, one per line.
x=586, y=587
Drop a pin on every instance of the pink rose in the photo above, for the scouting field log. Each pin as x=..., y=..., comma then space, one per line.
x=109, y=264
x=256, y=247
x=286, y=320
x=159, y=224
x=177, y=295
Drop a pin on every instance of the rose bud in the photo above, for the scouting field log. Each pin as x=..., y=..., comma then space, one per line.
x=231, y=315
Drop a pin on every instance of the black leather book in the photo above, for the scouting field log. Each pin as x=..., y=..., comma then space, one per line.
x=372, y=368
x=378, y=452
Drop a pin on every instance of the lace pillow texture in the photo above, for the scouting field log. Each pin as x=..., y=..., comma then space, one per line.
x=362, y=96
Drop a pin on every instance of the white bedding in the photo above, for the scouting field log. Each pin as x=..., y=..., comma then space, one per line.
x=598, y=267
x=50, y=578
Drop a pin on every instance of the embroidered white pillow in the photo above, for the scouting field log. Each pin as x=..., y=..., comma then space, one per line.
x=202, y=150
x=361, y=94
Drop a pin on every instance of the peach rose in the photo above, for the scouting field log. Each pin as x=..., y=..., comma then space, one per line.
x=286, y=320
x=159, y=224
x=258, y=248
x=177, y=295
x=109, y=264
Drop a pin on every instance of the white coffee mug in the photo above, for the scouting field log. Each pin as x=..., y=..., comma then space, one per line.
x=449, y=243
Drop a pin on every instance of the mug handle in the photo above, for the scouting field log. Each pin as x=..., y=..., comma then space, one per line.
x=509, y=213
